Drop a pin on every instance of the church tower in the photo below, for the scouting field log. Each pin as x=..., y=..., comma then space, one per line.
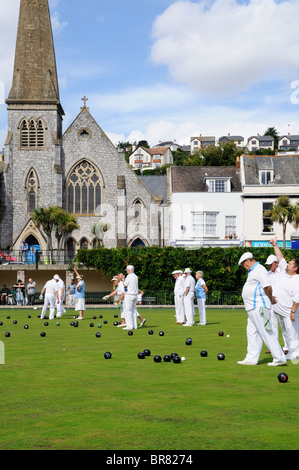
x=32, y=152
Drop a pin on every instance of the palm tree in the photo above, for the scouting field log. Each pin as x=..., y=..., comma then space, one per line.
x=55, y=220
x=284, y=212
x=98, y=230
x=65, y=224
x=45, y=218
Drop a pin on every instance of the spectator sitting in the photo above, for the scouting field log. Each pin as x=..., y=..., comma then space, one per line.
x=4, y=295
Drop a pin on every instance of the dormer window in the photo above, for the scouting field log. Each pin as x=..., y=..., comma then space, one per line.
x=266, y=177
x=219, y=185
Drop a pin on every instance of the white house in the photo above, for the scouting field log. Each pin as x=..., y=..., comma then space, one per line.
x=198, y=143
x=264, y=179
x=170, y=144
x=258, y=142
x=143, y=158
x=289, y=142
x=206, y=206
x=237, y=139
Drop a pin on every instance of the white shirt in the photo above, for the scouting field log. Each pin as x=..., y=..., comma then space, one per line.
x=286, y=291
x=179, y=288
x=120, y=289
x=61, y=286
x=190, y=282
x=131, y=283
x=253, y=293
x=51, y=287
x=273, y=277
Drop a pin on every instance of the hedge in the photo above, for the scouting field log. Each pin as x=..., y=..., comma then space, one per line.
x=154, y=265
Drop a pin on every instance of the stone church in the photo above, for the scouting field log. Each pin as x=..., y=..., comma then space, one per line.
x=79, y=169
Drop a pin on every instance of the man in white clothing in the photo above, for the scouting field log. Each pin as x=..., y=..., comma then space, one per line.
x=51, y=296
x=179, y=292
x=189, y=297
x=257, y=297
x=130, y=298
x=274, y=270
x=287, y=300
x=61, y=294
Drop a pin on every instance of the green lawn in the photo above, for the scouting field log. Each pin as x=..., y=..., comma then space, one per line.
x=59, y=392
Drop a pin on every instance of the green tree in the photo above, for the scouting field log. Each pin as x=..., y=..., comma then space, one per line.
x=271, y=131
x=45, y=218
x=65, y=224
x=222, y=155
x=54, y=220
x=284, y=212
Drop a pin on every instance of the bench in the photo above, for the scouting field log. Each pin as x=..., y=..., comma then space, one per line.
x=149, y=300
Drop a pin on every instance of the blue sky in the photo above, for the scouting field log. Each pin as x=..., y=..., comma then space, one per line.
x=166, y=70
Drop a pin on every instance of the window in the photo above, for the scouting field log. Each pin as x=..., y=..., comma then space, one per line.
x=230, y=225
x=204, y=224
x=138, y=212
x=31, y=189
x=84, y=189
x=32, y=134
x=84, y=134
x=267, y=223
x=266, y=176
x=219, y=186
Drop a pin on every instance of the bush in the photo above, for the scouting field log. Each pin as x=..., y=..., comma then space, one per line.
x=154, y=265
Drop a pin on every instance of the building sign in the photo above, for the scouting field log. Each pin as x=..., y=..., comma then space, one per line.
x=265, y=244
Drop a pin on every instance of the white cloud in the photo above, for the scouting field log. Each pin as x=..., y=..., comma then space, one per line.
x=222, y=47
x=146, y=98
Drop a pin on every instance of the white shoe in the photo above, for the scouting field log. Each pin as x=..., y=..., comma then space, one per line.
x=246, y=363
x=187, y=324
x=121, y=326
x=128, y=328
x=201, y=324
x=276, y=363
x=142, y=323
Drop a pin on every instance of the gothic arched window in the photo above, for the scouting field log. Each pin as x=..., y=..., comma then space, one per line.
x=84, y=189
x=32, y=134
x=138, y=211
x=32, y=191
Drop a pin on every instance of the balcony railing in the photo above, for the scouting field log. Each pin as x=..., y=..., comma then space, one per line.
x=34, y=256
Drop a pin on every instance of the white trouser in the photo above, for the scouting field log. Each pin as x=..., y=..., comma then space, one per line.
x=257, y=334
x=274, y=322
x=189, y=308
x=290, y=330
x=50, y=299
x=72, y=300
x=179, y=308
x=201, y=303
x=60, y=308
x=130, y=302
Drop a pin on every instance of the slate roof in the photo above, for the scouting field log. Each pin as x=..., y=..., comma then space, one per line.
x=157, y=185
x=191, y=179
x=262, y=138
x=286, y=168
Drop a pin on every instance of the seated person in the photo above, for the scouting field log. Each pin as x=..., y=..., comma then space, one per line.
x=4, y=294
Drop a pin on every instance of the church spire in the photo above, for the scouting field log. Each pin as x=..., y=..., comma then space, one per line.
x=35, y=75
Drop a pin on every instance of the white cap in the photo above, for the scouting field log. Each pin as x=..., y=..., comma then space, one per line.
x=56, y=277
x=187, y=270
x=130, y=268
x=244, y=257
x=176, y=272
x=271, y=259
